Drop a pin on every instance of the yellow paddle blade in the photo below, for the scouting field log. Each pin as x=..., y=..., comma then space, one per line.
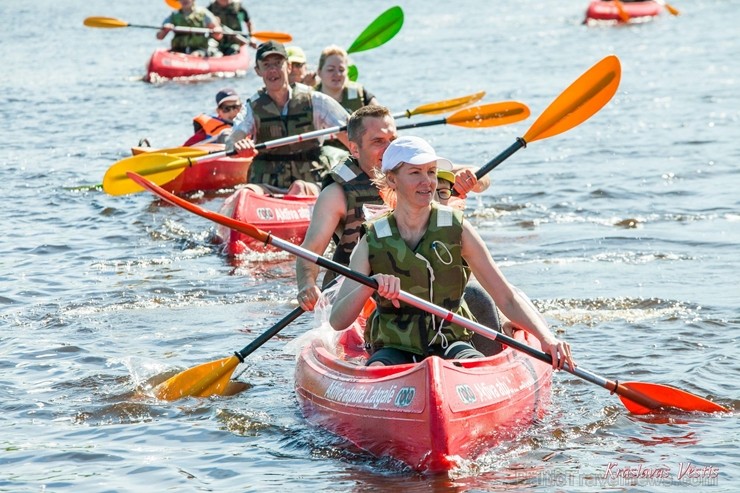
x=200, y=381
x=623, y=14
x=489, y=115
x=104, y=22
x=445, y=106
x=182, y=151
x=159, y=168
x=668, y=396
x=584, y=97
x=273, y=36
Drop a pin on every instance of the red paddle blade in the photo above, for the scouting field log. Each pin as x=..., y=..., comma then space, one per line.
x=668, y=396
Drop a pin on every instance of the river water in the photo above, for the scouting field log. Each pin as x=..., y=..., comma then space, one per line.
x=624, y=231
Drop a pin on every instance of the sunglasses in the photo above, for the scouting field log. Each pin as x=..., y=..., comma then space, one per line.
x=444, y=193
x=231, y=107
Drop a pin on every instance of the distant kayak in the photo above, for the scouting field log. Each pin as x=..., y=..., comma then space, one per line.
x=599, y=10
x=285, y=216
x=165, y=64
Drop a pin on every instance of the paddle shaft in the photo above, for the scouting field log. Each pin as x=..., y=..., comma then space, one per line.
x=449, y=316
x=272, y=331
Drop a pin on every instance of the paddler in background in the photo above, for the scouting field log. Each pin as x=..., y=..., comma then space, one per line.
x=279, y=110
x=334, y=82
x=215, y=128
x=424, y=248
x=234, y=16
x=298, y=70
x=191, y=15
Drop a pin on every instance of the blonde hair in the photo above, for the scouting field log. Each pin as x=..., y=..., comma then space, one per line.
x=380, y=180
x=332, y=50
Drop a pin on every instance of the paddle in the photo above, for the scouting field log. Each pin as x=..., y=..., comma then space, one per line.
x=638, y=397
x=582, y=99
x=379, y=32
x=623, y=14
x=441, y=106
x=212, y=378
x=161, y=168
x=670, y=8
x=113, y=23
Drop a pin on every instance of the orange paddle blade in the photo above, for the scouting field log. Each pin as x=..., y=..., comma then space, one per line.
x=104, y=22
x=445, y=106
x=668, y=397
x=200, y=381
x=489, y=115
x=242, y=227
x=584, y=97
x=174, y=4
x=273, y=36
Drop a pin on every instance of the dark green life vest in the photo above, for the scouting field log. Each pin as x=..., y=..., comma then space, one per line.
x=231, y=16
x=282, y=165
x=358, y=191
x=436, y=263
x=186, y=42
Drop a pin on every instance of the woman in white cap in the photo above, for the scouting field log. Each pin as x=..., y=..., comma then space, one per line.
x=422, y=247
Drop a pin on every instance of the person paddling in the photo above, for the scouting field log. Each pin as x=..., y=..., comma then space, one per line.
x=281, y=109
x=421, y=247
x=196, y=44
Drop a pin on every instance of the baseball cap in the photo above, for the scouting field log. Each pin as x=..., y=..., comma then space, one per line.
x=226, y=95
x=446, y=174
x=295, y=54
x=411, y=150
x=270, y=48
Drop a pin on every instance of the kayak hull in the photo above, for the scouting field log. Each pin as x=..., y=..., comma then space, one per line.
x=286, y=217
x=218, y=174
x=599, y=10
x=165, y=64
x=432, y=416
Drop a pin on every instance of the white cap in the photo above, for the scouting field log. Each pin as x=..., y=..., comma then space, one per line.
x=411, y=150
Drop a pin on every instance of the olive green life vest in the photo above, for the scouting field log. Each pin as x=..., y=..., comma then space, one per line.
x=438, y=254
x=282, y=165
x=185, y=42
x=358, y=191
x=231, y=16
x=353, y=98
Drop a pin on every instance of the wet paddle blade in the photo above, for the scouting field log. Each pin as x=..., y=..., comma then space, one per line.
x=199, y=381
x=445, y=106
x=489, y=115
x=272, y=36
x=380, y=31
x=159, y=168
x=584, y=97
x=104, y=22
x=668, y=397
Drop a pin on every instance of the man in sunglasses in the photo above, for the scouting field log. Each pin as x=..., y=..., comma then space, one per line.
x=215, y=128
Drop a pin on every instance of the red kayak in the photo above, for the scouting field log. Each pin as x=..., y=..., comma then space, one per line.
x=284, y=216
x=165, y=64
x=430, y=415
x=600, y=10
x=218, y=174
